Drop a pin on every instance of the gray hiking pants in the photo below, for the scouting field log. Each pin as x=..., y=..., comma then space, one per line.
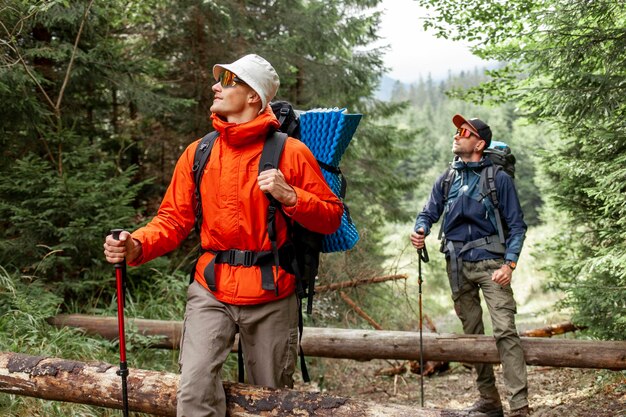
x=269, y=336
x=502, y=308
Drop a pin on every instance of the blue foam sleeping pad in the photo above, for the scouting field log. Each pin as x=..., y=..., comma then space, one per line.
x=327, y=132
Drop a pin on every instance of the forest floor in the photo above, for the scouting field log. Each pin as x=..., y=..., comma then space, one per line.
x=553, y=392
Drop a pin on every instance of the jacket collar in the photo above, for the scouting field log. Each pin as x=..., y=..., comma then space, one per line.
x=459, y=165
x=246, y=133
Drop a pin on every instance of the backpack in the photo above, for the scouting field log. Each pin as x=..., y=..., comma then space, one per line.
x=503, y=159
x=501, y=155
x=288, y=117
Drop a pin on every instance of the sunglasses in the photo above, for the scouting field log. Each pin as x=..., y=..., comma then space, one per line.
x=466, y=133
x=228, y=79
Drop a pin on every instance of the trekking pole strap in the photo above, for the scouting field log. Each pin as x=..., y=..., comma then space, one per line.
x=423, y=253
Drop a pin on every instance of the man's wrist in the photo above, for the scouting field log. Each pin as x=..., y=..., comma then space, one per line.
x=511, y=264
x=292, y=198
x=136, y=251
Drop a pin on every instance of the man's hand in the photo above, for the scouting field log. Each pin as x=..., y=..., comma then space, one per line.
x=502, y=275
x=417, y=239
x=127, y=248
x=273, y=181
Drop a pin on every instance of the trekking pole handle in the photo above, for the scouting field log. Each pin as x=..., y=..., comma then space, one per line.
x=423, y=253
x=116, y=235
x=120, y=267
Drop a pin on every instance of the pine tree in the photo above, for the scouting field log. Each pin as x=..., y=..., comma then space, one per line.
x=565, y=69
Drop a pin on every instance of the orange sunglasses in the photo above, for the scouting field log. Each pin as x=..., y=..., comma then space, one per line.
x=466, y=133
x=229, y=79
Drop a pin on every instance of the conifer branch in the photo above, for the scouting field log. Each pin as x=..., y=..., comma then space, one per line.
x=57, y=107
x=21, y=60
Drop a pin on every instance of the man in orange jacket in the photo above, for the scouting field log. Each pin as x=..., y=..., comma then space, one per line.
x=235, y=221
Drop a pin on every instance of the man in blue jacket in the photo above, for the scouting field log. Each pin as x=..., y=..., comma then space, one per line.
x=478, y=256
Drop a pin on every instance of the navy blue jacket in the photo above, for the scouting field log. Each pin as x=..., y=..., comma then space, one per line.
x=470, y=217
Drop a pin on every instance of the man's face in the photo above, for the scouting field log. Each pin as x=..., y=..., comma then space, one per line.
x=465, y=140
x=230, y=99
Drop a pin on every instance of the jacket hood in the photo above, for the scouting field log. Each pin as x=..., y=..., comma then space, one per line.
x=460, y=165
x=241, y=134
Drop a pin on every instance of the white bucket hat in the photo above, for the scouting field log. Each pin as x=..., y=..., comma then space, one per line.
x=256, y=72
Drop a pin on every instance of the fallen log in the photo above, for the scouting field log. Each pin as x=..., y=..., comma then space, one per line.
x=383, y=344
x=430, y=367
x=552, y=330
x=155, y=392
x=166, y=333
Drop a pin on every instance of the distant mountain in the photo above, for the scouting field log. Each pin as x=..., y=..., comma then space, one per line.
x=473, y=76
x=385, y=88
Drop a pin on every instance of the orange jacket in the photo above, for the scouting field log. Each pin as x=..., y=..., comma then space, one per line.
x=235, y=209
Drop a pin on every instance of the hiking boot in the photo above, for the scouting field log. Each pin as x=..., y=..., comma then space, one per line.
x=520, y=412
x=491, y=407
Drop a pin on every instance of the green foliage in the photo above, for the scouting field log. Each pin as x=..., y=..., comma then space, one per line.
x=100, y=97
x=565, y=68
x=54, y=221
x=27, y=302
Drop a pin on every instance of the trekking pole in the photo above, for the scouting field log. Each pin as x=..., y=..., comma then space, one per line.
x=120, y=279
x=422, y=256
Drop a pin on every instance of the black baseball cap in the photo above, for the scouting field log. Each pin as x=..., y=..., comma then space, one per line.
x=482, y=128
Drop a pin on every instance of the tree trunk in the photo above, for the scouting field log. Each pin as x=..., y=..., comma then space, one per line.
x=376, y=344
x=155, y=392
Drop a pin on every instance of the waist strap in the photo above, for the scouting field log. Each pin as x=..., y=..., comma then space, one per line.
x=247, y=259
x=491, y=243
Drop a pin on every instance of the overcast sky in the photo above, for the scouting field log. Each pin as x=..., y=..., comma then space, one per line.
x=414, y=52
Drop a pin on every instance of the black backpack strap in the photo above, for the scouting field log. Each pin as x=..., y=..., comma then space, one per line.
x=270, y=158
x=203, y=152
x=240, y=364
x=488, y=188
x=343, y=187
x=200, y=159
x=337, y=171
x=447, y=182
x=305, y=372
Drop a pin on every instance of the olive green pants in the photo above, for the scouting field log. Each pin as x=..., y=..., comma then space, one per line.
x=269, y=336
x=476, y=276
